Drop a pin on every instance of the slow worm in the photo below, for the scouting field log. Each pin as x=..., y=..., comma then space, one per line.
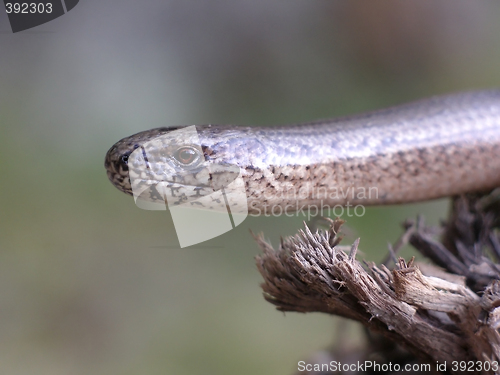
x=432, y=148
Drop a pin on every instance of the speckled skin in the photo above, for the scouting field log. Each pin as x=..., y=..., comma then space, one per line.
x=423, y=150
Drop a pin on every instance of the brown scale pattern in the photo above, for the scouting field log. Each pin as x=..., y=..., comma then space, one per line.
x=428, y=149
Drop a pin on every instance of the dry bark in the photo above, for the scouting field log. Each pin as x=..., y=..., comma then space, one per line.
x=415, y=312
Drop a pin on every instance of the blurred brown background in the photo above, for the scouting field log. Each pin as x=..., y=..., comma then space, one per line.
x=90, y=284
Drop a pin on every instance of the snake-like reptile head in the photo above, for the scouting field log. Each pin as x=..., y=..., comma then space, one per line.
x=117, y=157
x=179, y=165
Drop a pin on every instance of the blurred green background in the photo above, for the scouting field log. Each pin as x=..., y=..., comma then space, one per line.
x=90, y=284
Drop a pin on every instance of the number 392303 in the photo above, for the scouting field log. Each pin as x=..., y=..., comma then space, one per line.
x=26, y=8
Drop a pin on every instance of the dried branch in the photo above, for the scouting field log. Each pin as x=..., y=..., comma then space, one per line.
x=436, y=316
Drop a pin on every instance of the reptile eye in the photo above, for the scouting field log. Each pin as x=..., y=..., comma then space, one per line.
x=125, y=157
x=186, y=155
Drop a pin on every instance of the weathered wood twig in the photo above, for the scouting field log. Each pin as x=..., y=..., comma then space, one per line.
x=444, y=313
